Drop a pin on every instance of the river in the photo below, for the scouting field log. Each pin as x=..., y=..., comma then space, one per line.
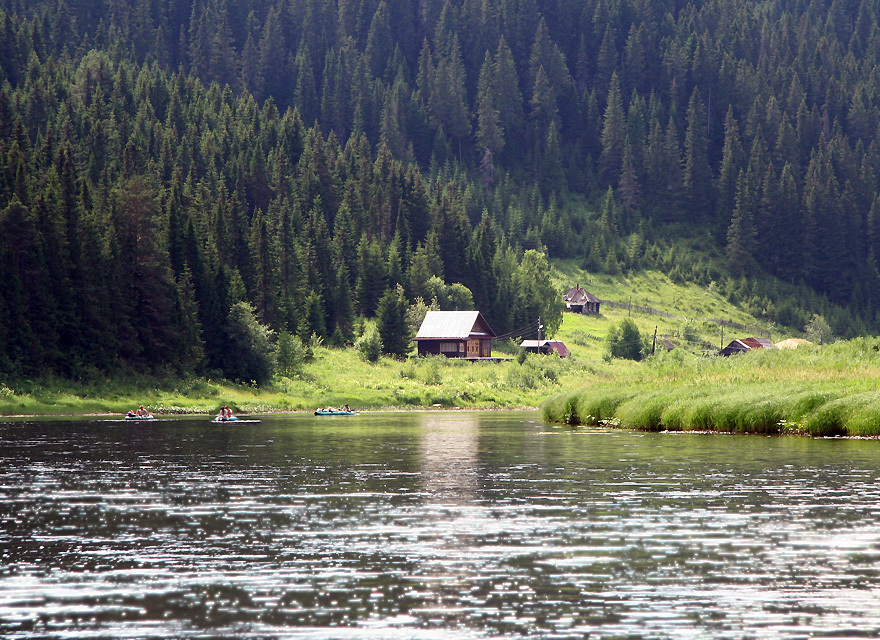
x=432, y=525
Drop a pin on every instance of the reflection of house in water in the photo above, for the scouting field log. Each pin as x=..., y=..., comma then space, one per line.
x=449, y=457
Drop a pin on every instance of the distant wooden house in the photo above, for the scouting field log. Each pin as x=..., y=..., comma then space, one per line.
x=545, y=346
x=455, y=334
x=747, y=344
x=579, y=300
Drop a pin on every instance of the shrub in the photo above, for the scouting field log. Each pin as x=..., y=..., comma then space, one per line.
x=369, y=345
x=432, y=372
x=291, y=354
x=625, y=341
x=251, y=353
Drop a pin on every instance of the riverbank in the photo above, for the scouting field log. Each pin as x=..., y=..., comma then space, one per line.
x=334, y=377
x=817, y=391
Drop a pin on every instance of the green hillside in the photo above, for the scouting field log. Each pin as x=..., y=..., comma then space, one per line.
x=698, y=312
x=187, y=185
x=338, y=376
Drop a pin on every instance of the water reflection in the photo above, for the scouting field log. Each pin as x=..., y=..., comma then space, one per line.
x=449, y=446
x=432, y=525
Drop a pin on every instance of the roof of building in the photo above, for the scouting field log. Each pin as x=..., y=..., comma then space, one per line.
x=556, y=345
x=577, y=295
x=745, y=344
x=454, y=325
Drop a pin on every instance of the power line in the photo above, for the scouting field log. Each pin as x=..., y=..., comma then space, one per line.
x=529, y=328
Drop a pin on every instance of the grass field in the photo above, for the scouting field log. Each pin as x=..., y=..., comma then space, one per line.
x=335, y=377
x=822, y=391
x=818, y=390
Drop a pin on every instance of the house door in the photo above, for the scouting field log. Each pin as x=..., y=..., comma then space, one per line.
x=473, y=349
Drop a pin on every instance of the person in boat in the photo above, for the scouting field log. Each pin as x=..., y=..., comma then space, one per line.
x=131, y=414
x=346, y=408
x=226, y=413
x=141, y=412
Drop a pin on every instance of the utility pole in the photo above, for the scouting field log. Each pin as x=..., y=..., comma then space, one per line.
x=654, y=344
x=540, y=326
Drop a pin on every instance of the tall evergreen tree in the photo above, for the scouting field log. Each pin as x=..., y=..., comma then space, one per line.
x=613, y=134
x=391, y=322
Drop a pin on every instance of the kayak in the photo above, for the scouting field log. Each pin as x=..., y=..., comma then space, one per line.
x=235, y=420
x=323, y=412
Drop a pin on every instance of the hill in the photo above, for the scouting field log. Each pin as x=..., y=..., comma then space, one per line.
x=169, y=168
x=338, y=376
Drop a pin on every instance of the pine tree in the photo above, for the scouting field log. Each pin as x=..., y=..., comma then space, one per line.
x=674, y=172
x=613, y=135
x=391, y=322
x=628, y=187
x=490, y=134
x=741, y=241
x=379, y=45
x=697, y=179
x=507, y=96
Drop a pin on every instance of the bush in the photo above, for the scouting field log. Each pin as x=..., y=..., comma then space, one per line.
x=291, y=354
x=432, y=372
x=369, y=345
x=625, y=341
x=251, y=353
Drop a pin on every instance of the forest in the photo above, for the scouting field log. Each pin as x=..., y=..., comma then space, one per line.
x=173, y=169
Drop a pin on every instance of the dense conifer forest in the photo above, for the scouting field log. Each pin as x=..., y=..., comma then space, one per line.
x=172, y=170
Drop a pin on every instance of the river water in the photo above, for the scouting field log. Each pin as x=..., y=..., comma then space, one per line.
x=432, y=525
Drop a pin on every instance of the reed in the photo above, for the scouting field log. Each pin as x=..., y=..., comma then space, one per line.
x=827, y=391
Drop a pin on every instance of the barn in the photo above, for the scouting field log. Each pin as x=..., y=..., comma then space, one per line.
x=579, y=300
x=545, y=346
x=455, y=334
x=747, y=344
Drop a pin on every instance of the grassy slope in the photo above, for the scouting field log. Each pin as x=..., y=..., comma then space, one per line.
x=830, y=390
x=338, y=377
x=690, y=303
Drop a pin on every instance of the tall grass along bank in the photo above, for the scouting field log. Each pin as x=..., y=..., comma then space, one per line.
x=819, y=391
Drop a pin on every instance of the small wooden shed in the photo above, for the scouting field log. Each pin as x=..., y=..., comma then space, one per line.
x=455, y=334
x=747, y=344
x=545, y=346
x=579, y=300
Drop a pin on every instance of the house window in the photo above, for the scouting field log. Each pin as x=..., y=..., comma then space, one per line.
x=448, y=347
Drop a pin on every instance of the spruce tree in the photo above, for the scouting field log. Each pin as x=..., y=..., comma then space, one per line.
x=613, y=135
x=391, y=322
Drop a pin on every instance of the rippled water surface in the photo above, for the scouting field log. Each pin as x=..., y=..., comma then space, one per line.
x=432, y=525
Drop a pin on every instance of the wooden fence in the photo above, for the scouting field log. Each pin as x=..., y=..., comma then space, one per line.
x=752, y=331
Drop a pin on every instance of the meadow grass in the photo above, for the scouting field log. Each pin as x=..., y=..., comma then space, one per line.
x=821, y=391
x=830, y=390
x=335, y=377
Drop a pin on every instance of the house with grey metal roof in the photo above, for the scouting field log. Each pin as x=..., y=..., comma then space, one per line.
x=455, y=334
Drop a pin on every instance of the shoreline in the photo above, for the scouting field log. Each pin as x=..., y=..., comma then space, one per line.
x=279, y=412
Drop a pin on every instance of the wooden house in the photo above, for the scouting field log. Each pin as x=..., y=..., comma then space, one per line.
x=747, y=344
x=455, y=334
x=579, y=300
x=545, y=346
